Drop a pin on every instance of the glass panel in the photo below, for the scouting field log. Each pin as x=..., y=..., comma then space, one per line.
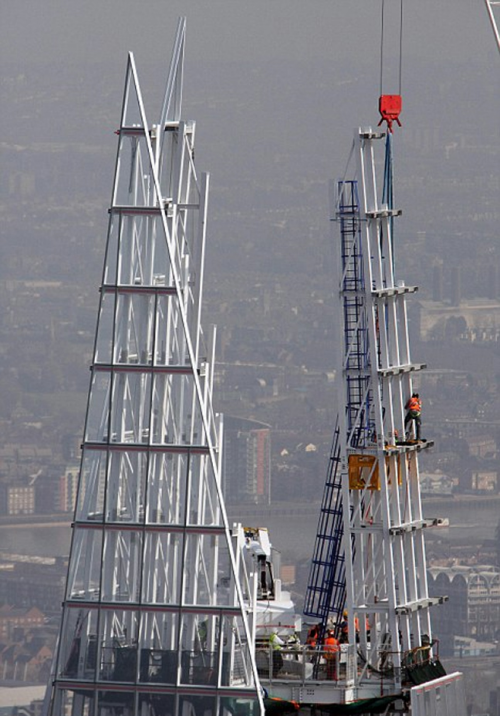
x=71, y=702
x=236, y=669
x=197, y=705
x=119, y=645
x=171, y=410
x=166, y=496
x=77, y=658
x=169, y=340
x=206, y=571
x=200, y=639
x=111, y=251
x=126, y=487
x=105, y=329
x=160, y=261
x=130, y=409
x=91, y=485
x=157, y=703
x=115, y=702
x=163, y=567
x=243, y=707
x=158, y=648
x=85, y=564
x=204, y=502
x=121, y=566
x=96, y=429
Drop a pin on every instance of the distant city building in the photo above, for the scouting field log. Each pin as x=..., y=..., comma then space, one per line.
x=437, y=283
x=12, y=619
x=474, y=321
x=47, y=491
x=473, y=609
x=246, y=471
x=33, y=582
x=17, y=498
x=465, y=646
x=436, y=484
x=68, y=486
x=456, y=285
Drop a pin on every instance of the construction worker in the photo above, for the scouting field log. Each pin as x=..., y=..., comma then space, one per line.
x=312, y=636
x=368, y=628
x=202, y=634
x=275, y=645
x=293, y=646
x=331, y=649
x=414, y=408
x=344, y=628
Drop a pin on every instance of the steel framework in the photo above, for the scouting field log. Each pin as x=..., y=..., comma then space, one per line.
x=493, y=7
x=370, y=554
x=154, y=619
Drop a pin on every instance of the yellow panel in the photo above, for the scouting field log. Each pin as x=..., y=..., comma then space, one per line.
x=360, y=468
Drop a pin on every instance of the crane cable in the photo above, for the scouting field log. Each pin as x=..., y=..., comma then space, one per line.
x=390, y=105
x=400, y=64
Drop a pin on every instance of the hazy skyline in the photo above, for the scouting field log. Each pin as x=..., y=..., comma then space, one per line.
x=331, y=33
x=97, y=30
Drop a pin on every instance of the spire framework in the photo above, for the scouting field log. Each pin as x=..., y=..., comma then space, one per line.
x=154, y=617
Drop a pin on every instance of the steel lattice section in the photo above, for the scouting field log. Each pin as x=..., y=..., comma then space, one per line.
x=155, y=618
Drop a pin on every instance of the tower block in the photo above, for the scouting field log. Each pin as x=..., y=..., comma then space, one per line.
x=154, y=616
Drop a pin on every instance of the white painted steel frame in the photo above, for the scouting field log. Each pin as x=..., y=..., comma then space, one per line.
x=386, y=580
x=441, y=697
x=154, y=619
x=490, y=4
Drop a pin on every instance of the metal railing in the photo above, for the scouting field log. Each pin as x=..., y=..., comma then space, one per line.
x=303, y=665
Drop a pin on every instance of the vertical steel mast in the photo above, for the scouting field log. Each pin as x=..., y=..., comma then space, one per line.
x=370, y=555
x=386, y=583
x=154, y=618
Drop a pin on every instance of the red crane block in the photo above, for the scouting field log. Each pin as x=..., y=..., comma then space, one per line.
x=390, y=106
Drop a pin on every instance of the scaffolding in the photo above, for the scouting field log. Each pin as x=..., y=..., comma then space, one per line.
x=369, y=568
x=155, y=617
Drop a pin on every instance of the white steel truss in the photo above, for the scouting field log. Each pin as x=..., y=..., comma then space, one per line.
x=386, y=584
x=493, y=7
x=154, y=618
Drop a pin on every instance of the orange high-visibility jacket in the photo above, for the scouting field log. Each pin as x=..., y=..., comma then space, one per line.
x=414, y=404
x=331, y=644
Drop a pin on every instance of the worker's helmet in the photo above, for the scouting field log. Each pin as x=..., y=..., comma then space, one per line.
x=345, y=613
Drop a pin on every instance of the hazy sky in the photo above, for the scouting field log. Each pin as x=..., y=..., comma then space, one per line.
x=336, y=34
x=96, y=30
